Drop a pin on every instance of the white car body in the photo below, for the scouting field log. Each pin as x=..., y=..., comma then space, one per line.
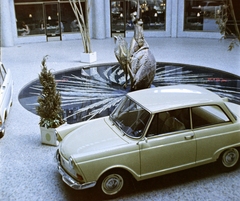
x=6, y=96
x=152, y=132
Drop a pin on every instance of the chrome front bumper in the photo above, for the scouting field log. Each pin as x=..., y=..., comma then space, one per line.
x=71, y=181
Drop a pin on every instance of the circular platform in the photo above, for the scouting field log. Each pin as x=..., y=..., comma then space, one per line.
x=94, y=91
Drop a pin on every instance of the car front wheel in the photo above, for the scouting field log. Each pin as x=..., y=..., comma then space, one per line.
x=230, y=159
x=112, y=183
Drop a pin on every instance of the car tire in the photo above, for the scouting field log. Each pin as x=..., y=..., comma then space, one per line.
x=229, y=159
x=112, y=183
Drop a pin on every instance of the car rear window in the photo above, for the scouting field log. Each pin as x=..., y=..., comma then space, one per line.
x=208, y=115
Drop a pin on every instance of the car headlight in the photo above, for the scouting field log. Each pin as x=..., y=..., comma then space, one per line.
x=72, y=169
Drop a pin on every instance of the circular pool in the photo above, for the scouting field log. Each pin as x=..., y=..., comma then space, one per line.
x=94, y=91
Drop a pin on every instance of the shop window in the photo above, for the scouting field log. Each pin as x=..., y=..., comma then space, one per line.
x=29, y=19
x=202, y=15
x=24, y=1
x=152, y=14
x=68, y=17
x=118, y=17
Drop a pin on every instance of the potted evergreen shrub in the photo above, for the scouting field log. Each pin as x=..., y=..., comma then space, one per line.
x=49, y=108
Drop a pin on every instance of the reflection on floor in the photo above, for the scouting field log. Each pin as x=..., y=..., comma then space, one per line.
x=94, y=92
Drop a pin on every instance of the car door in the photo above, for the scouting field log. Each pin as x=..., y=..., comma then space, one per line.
x=169, y=150
x=213, y=130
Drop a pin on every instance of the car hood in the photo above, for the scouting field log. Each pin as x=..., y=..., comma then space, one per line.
x=94, y=136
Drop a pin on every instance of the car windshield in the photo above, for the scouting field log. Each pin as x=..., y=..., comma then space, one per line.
x=130, y=118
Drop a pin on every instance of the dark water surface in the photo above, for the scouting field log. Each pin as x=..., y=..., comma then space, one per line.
x=91, y=92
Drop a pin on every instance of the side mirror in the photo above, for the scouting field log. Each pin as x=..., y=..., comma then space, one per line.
x=143, y=139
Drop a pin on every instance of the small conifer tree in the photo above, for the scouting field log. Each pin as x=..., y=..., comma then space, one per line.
x=49, y=108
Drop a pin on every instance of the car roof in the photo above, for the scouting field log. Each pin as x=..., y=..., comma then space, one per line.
x=172, y=97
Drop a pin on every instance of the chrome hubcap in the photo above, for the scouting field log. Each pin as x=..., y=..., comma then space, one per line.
x=230, y=157
x=112, y=184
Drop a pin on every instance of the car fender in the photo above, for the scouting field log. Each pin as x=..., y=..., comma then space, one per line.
x=121, y=167
x=220, y=151
x=94, y=165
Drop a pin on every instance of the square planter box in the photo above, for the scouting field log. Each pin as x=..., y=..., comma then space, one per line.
x=49, y=136
x=88, y=57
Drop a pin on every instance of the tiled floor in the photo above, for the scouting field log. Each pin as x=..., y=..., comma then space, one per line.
x=28, y=169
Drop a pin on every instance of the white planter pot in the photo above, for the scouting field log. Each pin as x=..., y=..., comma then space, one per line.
x=49, y=136
x=88, y=57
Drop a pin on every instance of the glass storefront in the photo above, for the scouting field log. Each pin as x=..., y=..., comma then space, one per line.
x=29, y=19
x=153, y=14
x=161, y=18
x=202, y=15
x=42, y=17
x=118, y=17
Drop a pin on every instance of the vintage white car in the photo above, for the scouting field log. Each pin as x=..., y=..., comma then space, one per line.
x=152, y=132
x=6, y=96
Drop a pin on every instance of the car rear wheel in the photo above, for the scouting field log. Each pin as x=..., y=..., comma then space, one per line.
x=112, y=183
x=230, y=159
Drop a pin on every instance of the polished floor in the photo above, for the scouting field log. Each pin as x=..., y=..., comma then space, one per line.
x=28, y=168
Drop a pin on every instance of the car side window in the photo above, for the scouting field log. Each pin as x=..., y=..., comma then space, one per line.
x=208, y=115
x=2, y=74
x=169, y=121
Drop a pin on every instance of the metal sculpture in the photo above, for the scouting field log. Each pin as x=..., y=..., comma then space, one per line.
x=137, y=61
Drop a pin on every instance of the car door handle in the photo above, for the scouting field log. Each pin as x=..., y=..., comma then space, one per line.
x=189, y=137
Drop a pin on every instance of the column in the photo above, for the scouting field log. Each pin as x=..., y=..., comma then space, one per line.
x=174, y=16
x=6, y=25
x=97, y=10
